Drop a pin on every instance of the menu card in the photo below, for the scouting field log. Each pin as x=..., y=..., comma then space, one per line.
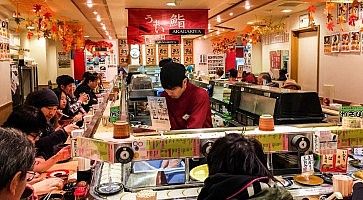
x=150, y=54
x=188, y=51
x=175, y=53
x=349, y=138
x=158, y=148
x=93, y=149
x=272, y=142
x=159, y=113
x=307, y=163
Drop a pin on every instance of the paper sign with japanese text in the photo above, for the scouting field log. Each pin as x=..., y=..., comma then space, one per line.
x=159, y=113
x=272, y=142
x=327, y=163
x=341, y=160
x=94, y=149
x=307, y=163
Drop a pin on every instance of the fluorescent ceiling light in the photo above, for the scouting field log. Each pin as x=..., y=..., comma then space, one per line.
x=286, y=10
x=247, y=5
x=98, y=18
x=89, y=3
x=171, y=4
x=219, y=19
x=231, y=14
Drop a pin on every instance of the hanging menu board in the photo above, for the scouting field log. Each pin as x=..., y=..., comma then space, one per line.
x=150, y=54
x=188, y=51
x=163, y=51
x=175, y=53
x=123, y=49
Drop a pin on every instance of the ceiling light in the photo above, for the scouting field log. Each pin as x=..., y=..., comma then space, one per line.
x=98, y=18
x=218, y=32
x=171, y=4
x=109, y=37
x=31, y=27
x=104, y=27
x=247, y=5
x=86, y=36
x=205, y=37
x=89, y=3
x=231, y=14
x=250, y=23
x=219, y=19
x=95, y=12
x=286, y=10
x=102, y=24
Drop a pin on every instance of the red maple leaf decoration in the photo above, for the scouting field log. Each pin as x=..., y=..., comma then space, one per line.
x=37, y=8
x=352, y=19
x=355, y=4
x=311, y=9
x=330, y=26
x=47, y=15
x=54, y=28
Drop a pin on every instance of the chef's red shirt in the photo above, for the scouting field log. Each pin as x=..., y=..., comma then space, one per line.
x=191, y=110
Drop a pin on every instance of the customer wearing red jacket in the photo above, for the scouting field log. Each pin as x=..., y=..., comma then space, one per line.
x=188, y=105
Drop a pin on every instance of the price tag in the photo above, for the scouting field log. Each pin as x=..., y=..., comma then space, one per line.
x=307, y=163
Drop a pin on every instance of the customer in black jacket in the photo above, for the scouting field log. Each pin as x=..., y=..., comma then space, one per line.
x=237, y=170
x=88, y=86
x=47, y=102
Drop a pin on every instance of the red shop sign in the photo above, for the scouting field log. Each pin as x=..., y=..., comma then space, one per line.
x=160, y=21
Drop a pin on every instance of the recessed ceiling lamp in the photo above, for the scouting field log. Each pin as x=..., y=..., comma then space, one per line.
x=219, y=20
x=205, y=37
x=102, y=24
x=247, y=5
x=98, y=18
x=104, y=28
x=89, y=3
x=95, y=12
x=171, y=4
x=286, y=10
x=231, y=14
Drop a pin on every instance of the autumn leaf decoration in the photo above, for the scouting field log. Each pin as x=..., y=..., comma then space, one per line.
x=329, y=8
x=353, y=15
x=37, y=8
x=311, y=11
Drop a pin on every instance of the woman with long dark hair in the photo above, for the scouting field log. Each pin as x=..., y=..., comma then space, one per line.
x=238, y=170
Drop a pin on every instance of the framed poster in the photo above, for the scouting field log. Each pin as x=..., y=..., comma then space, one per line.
x=163, y=51
x=304, y=21
x=344, y=42
x=64, y=60
x=355, y=42
x=335, y=38
x=327, y=44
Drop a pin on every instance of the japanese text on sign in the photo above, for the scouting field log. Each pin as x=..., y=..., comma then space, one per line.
x=307, y=163
x=177, y=20
x=352, y=111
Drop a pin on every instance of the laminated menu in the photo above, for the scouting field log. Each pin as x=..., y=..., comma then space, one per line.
x=160, y=148
x=93, y=149
x=272, y=142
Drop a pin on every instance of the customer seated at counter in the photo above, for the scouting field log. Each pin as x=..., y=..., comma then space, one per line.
x=47, y=102
x=249, y=77
x=17, y=158
x=264, y=78
x=291, y=84
x=233, y=73
x=238, y=170
x=188, y=105
x=30, y=121
x=87, y=87
x=73, y=107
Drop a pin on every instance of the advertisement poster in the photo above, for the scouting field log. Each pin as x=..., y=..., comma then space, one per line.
x=64, y=60
x=355, y=41
x=344, y=44
x=327, y=44
x=335, y=42
x=342, y=12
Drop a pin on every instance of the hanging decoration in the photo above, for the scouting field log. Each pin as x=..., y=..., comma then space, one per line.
x=42, y=22
x=311, y=11
x=342, y=14
x=353, y=13
x=92, y=45
x=329, y=8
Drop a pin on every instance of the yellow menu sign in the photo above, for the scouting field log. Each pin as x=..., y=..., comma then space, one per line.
x=349, y=138
x=272, y=142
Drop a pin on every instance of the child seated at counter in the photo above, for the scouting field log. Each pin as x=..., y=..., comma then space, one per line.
x=237, y=170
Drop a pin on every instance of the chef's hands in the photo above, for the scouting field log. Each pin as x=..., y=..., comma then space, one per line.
x=47, y=185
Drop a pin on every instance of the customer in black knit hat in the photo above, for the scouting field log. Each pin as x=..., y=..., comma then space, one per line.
x=47, y=102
